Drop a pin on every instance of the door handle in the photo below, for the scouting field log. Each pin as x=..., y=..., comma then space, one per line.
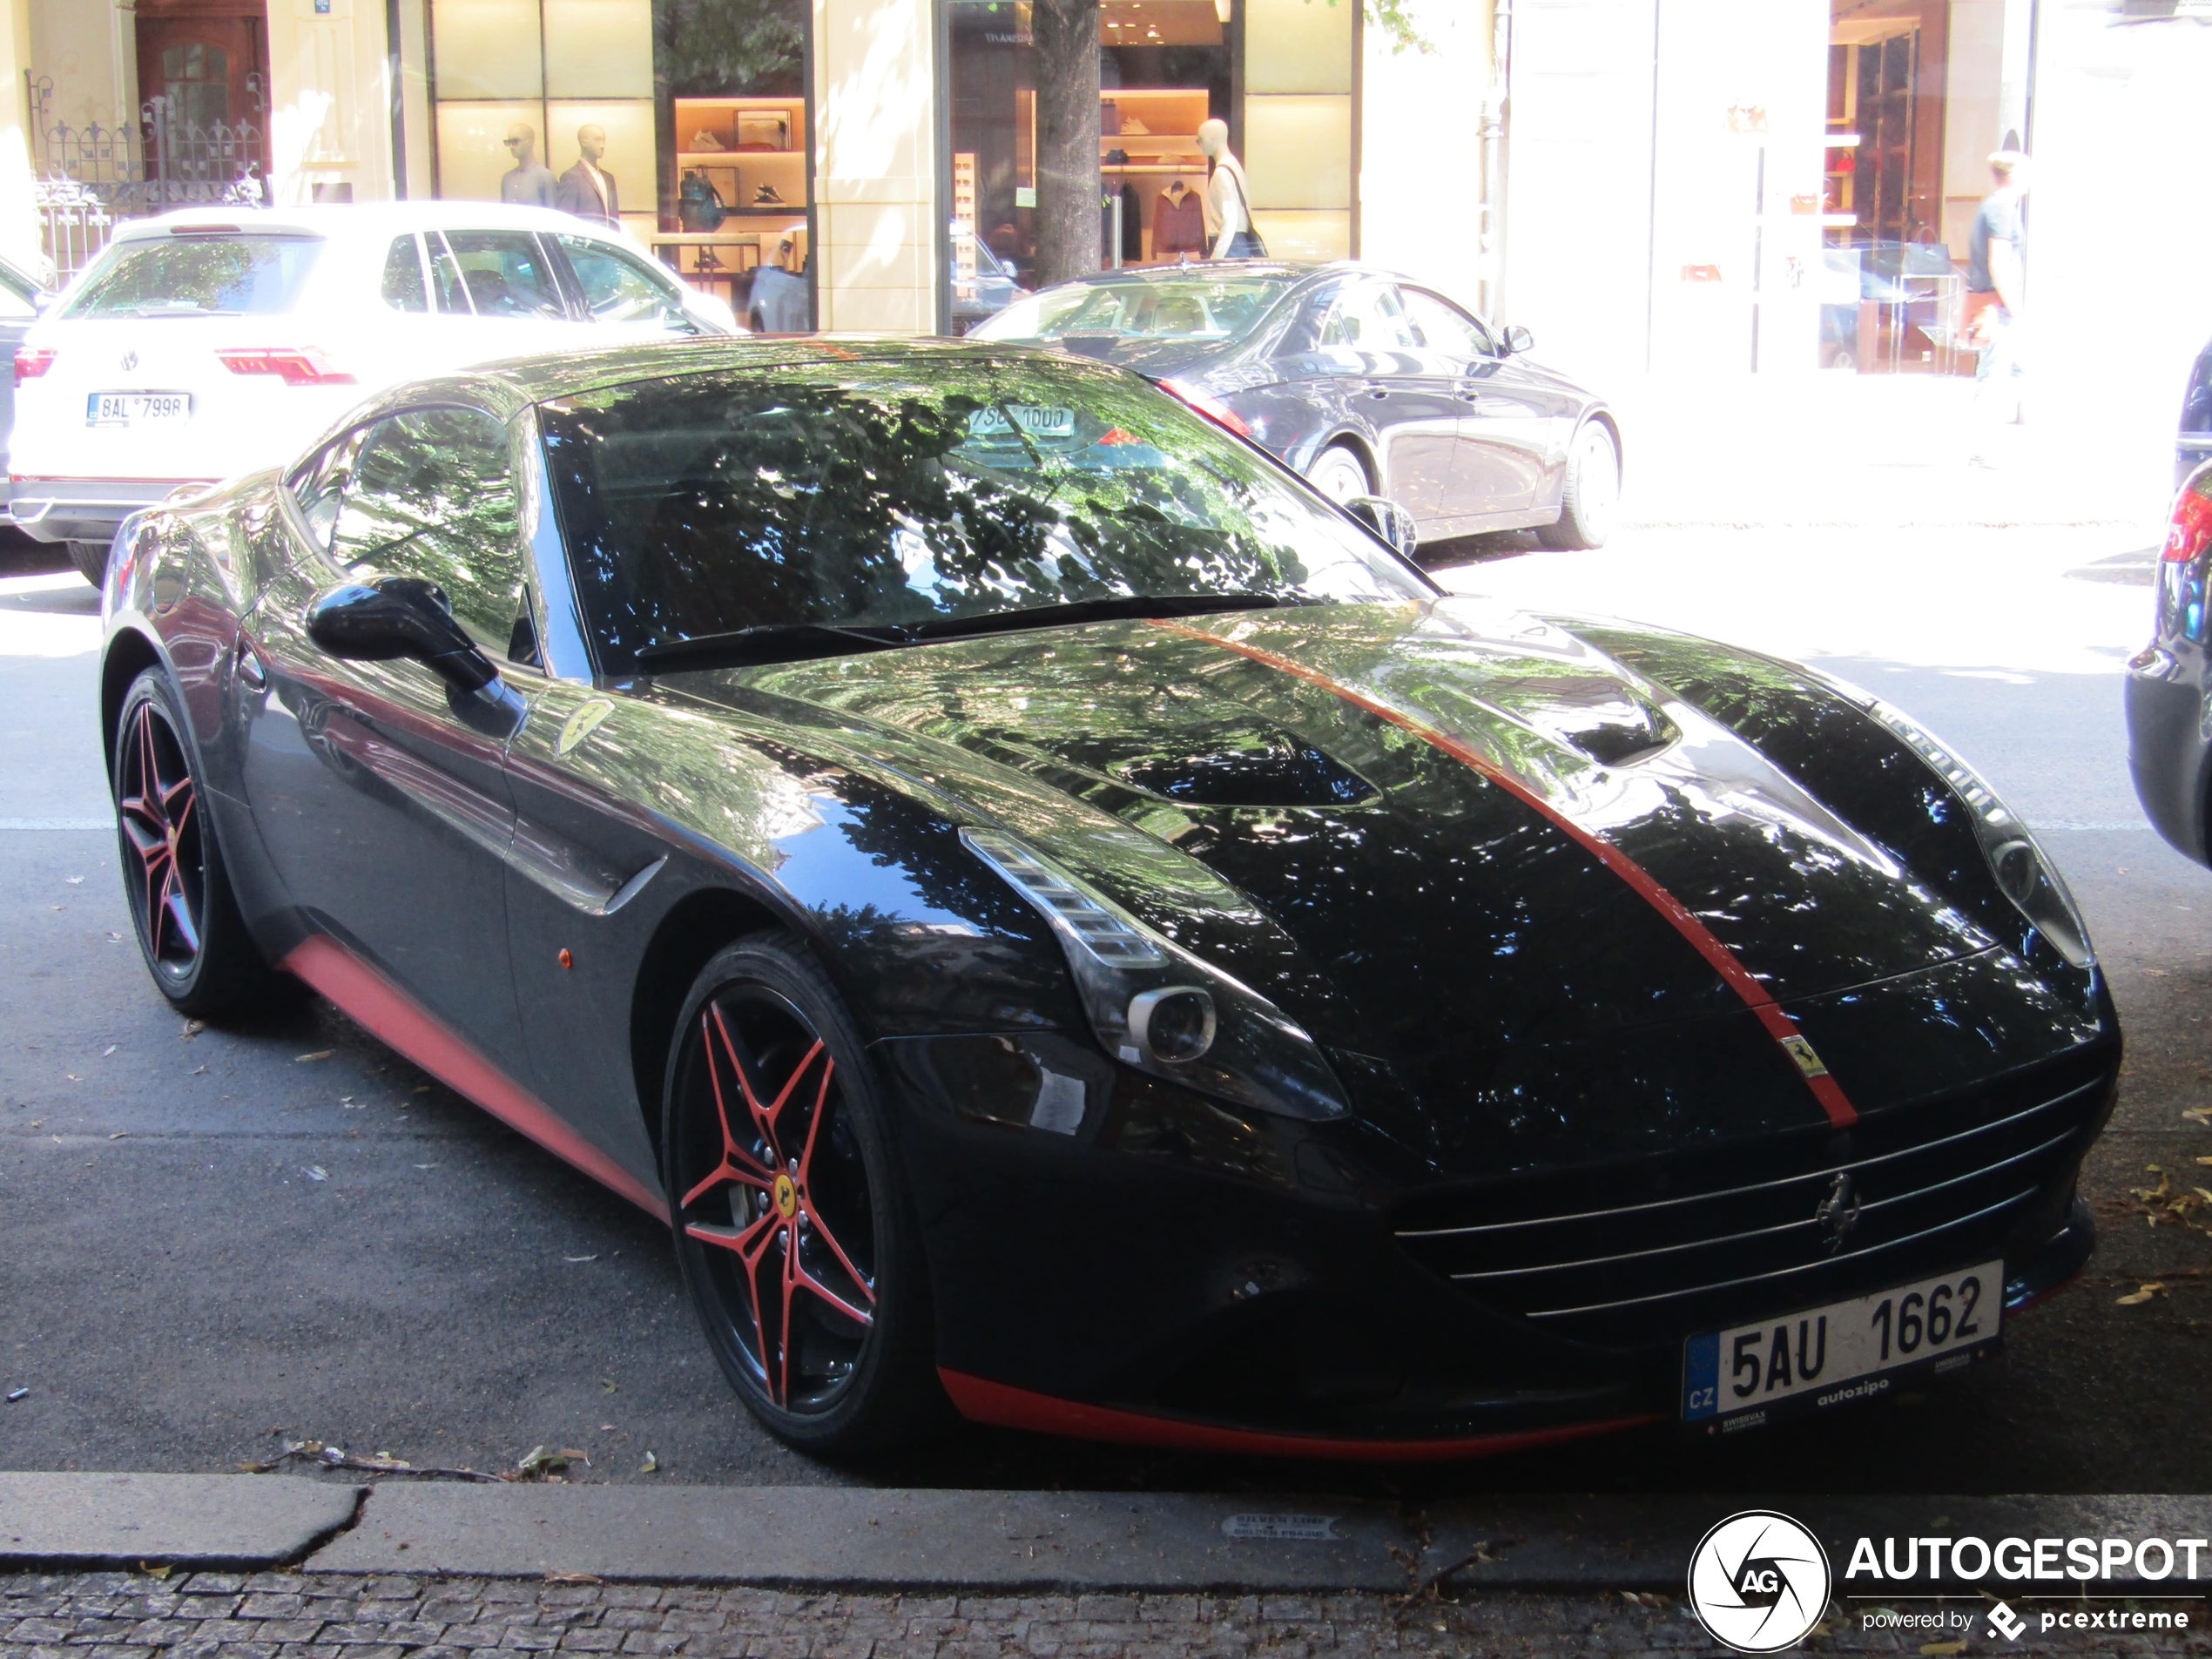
x=249, y=665
x=1379, y=392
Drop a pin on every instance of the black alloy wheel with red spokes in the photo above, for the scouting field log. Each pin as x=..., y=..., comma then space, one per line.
x=187, y=919
x=792, y=1236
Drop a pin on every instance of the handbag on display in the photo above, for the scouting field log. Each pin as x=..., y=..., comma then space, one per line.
x=699, y=207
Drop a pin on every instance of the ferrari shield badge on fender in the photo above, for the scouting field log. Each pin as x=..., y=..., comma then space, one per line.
x=585, y=720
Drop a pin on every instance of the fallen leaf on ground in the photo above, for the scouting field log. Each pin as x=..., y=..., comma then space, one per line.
x=152, y=1571
x=14, y=1394
x=650, y=1466
x=1943, y=1647
x=541, y=1460
x=426, y=1166
x=2136, y=1299
x=316, y=1172
x=74, y=880
x=422, y=1088
x=118, y=1134
x=2199, y=1115
x=606, y=1385
x=591, y=1257
x=110, y=1049
x=193, y=1028
x=575, y=1456
x=319, y=1054
x=197, y=1071
x=574, y=1578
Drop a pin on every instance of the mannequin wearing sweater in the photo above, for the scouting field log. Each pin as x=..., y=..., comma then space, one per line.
x=1227, y=205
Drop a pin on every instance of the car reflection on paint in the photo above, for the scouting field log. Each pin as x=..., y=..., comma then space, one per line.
x=1061, y=919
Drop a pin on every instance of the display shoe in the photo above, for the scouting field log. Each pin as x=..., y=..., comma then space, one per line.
x=766, y=196
x=705, y=140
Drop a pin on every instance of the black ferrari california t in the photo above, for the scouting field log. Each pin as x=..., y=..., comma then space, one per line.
x=1060, y=918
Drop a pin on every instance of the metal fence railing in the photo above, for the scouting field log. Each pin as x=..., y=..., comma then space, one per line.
x=91, y=174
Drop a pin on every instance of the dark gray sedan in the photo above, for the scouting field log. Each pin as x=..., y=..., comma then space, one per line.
x=1367, y=384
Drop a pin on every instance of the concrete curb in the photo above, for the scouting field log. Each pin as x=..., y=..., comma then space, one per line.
x=208, y=1520
x=862, y=1539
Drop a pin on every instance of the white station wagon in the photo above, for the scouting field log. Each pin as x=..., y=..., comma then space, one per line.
x=208, y=342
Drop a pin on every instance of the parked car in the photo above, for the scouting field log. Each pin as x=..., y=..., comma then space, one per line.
x=2170, y=690
x=1364, y=382
x=22, y=298
x=992, y=288
x=2193, y=442
x=1056, y=915
x=207, y=342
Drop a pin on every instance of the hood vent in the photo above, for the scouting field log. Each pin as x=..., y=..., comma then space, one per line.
x=1276, y=773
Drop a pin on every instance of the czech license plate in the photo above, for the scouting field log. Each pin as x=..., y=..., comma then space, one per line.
x=1846, y=1351
x=136, y=408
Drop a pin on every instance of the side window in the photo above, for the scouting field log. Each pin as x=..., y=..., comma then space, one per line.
x=445, y=277
x=432, y=494
x=620, y=287
x=506, y=275
x=402, y=289
x=318, y=483
x=1445, y=327
x=1369, y=318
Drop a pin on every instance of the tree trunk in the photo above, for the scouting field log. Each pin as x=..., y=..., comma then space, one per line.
x=1069, y=188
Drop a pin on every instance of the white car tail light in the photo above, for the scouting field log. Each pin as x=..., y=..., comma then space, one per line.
x=295, y=365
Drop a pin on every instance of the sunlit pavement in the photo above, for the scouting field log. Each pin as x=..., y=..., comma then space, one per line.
x=180, y=1286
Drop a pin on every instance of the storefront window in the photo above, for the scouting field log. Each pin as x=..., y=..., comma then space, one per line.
x=682, y=121
x=1280, y=72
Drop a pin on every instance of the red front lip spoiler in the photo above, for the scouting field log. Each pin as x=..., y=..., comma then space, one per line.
x=980, y=1400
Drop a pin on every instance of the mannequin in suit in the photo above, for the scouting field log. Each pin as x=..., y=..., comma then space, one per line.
x=530, y=184
x=585, y=190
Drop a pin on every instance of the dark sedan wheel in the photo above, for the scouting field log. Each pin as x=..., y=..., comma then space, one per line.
x=189, y=927
x=794, y=1235
x=1339, y=473
x=1592, y=492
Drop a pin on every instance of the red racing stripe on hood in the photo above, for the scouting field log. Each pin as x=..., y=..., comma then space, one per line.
x=1778, y=1024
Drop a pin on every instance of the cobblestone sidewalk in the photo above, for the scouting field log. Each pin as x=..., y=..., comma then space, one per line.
x=291, y=1616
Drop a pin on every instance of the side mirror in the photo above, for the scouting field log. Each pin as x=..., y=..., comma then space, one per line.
x=1386, y=519
x=1518, y=340
x=393, y=617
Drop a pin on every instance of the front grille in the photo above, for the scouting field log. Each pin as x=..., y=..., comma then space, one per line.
x=1642, y=1253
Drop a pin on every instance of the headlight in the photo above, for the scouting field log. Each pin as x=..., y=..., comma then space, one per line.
x=2024, y=874
x=1157, y=1007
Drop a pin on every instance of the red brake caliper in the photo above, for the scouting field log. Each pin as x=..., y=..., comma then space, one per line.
x=791, y=1205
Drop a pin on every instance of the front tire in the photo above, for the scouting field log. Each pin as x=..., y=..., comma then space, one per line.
x=90, y=560
x=189, y=929
x=793, y=1234
x=1591, y=495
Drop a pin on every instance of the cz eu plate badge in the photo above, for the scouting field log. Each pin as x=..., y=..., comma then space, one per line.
x=1820, y=1358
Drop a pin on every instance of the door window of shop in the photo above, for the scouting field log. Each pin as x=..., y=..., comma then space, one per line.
x=1281, y=73
x=685, y=122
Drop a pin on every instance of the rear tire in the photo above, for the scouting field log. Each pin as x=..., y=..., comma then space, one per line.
x=191, y=931
x=1591, y=495
x=793, y=1230
x=1338, y=472
x=90, y=560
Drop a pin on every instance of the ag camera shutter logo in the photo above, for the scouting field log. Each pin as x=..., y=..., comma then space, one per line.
x=1758, y=1582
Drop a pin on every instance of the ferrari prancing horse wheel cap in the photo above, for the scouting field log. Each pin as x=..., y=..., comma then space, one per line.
x=1759, y=1581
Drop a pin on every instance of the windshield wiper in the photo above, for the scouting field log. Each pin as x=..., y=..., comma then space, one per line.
x=793, y=642
x=1078, y=611
x=775, y=641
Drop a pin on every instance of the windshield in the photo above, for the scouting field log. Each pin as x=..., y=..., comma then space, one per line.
x=1195, y=307
x=198, y=276
x=860, y=493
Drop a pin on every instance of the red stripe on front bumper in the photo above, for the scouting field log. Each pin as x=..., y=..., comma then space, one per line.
x=980, y=1400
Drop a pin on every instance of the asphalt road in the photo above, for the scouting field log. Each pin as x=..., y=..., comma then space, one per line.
x=209, y=1239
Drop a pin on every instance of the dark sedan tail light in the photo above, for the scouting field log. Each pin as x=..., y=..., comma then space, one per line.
x=2183, y=562
x=31, y=362
x=297, y=366
x=1208, y=405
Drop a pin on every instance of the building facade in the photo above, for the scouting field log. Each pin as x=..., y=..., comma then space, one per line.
x=1653, y=186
